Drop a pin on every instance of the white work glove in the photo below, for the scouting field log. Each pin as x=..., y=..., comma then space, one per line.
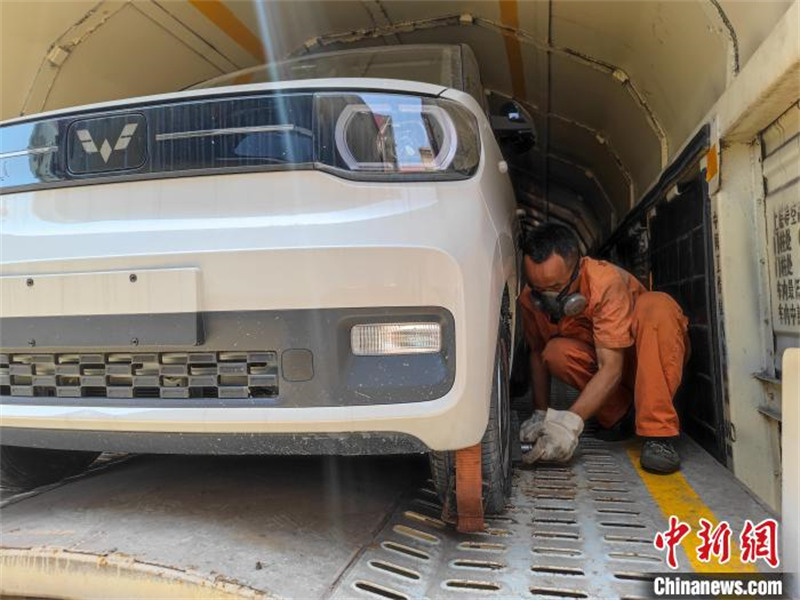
x=558, y=437
x=529, y=430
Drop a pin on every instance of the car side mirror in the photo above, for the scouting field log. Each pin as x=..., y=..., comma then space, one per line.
x=514, y=128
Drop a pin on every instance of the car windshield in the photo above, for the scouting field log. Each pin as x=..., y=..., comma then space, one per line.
x=437, y=64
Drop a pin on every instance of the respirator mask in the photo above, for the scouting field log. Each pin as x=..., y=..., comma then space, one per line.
x=560, y=304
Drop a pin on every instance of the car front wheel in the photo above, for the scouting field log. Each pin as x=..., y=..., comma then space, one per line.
x=495, y=445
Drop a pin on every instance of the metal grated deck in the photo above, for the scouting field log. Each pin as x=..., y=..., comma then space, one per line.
x=579, y=531
x=362, y=528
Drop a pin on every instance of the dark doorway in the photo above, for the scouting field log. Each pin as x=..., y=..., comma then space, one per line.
x=682, y=265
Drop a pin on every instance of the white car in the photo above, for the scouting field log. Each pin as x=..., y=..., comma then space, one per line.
x=317, y=256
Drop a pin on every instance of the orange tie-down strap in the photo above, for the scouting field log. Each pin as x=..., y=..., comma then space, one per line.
x=469, y=490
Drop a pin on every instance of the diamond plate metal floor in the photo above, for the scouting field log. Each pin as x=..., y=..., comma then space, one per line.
x=579, y=531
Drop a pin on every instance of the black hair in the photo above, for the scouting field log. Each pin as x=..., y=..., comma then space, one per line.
x=548, y=238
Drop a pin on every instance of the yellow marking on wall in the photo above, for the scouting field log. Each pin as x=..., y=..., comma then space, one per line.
x=712, y=163
x=232, y=26
x=509, y=16
x=243, y=79
x=675, y=496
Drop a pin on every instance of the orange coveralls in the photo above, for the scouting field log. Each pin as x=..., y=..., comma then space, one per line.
x=620, y=313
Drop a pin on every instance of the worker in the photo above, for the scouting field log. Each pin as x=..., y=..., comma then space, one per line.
x=595, y=326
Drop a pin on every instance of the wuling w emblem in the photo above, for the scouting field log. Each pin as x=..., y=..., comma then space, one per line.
x=107, y=143
x=105, y=149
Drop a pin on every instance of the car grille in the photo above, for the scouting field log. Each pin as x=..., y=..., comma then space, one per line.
x=224, y=374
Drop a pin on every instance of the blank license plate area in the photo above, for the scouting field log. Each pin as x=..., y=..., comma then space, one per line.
x=111, y=308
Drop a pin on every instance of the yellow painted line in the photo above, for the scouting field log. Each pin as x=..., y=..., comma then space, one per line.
x=232, y=26
x=509, y=16
x=675, y=496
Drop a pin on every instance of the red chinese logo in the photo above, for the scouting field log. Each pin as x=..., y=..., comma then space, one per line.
x=757, y=541
x=760, y=541
x=671, y=538
x=714, y=541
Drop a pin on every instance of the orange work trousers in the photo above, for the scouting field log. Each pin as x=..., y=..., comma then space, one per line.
x=652, y=371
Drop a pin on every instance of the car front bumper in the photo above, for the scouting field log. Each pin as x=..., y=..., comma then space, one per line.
x=270, y=245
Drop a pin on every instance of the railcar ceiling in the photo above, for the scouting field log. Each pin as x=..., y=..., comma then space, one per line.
x=616, y=87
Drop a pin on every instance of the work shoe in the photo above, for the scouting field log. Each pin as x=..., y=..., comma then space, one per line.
x=659, y=456
x=623, y=429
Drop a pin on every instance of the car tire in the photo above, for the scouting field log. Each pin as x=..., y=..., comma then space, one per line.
x=521, y=392
x=495, y=445
x=26, y=468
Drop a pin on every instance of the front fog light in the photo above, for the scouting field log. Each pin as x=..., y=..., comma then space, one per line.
x=381, y=339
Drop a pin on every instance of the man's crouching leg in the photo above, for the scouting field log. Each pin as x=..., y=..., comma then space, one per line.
x=575, y=362
x=660, y=329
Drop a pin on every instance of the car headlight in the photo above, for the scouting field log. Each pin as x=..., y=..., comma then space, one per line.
x=389, y=136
